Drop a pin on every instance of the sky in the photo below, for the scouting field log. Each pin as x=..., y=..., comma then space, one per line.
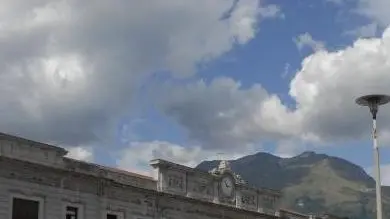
x=122, y=82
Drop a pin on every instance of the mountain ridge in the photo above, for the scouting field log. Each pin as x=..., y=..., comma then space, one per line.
x=323, y=183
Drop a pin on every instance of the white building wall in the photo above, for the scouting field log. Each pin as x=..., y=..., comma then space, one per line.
x=55, y=199
x=32, y=171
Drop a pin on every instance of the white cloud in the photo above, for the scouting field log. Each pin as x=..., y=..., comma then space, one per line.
x=326, y=86
x=69, y=68
x=384, y=138
x=368, y=30
x=385, y=173
x=306, y=40
x=222, y=114
x=68, y=71
x=272, y=11
x=328, y=83
x=378, y=10
x=289, y=148
x=137, y=155
x=81, y=153
x=385, y=177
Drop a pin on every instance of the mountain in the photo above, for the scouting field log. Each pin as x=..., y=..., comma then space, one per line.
x=312, y=182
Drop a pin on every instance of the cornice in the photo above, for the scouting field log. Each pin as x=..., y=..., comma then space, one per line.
x=60, y=151
x=109, y=184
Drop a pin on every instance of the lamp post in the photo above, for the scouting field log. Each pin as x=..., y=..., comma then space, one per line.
x=373, y=102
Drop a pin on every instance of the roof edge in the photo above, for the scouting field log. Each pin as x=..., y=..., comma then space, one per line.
x=9, y=137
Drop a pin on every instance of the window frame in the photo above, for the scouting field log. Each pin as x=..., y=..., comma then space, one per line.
x=79, y=206
x=119, y=214
x=40, y=200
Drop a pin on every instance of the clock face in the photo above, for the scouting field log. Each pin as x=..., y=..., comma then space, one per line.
x=227, y=186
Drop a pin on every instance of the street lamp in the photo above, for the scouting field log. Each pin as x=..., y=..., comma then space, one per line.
x=373, y=102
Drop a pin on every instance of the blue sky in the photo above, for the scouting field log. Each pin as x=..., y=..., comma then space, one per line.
x=122, y=83
x=264, y=59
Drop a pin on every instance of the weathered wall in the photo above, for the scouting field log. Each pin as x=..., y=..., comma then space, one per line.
x=57, y=187
x=35, y=152
x=29, y=152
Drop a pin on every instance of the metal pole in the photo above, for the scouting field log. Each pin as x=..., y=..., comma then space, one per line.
x=373, y=101
x=377, y=171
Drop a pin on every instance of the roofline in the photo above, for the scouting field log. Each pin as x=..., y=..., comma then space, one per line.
x=154, y=191
x=113, y=169
x=294, y=212
x=162, y=162
x=41, y=145
x=157, y=162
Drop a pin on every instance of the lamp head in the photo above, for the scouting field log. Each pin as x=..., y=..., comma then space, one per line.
x=373, y=101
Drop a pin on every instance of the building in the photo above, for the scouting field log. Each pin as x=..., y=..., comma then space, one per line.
x=288, y=214
x=37, y=181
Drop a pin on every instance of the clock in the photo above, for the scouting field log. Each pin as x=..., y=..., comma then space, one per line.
x=227, y=186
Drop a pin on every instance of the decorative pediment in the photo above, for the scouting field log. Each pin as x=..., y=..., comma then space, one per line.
x=214, y=186
x=224, y=167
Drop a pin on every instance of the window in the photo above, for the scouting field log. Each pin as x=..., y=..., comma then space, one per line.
x=114, y=215
x=26, y=207
x=73, y=211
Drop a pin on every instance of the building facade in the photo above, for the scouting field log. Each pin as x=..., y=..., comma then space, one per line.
x=37, y=181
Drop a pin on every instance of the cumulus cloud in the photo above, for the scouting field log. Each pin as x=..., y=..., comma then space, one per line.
x=378, y=10
x=225, y=115
x=368, y=30
x=222, y=114
x=69, y=69
x=272, y=11
x=81, y=153
x=328, y=83
x=288, y=148
x=306, y=40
